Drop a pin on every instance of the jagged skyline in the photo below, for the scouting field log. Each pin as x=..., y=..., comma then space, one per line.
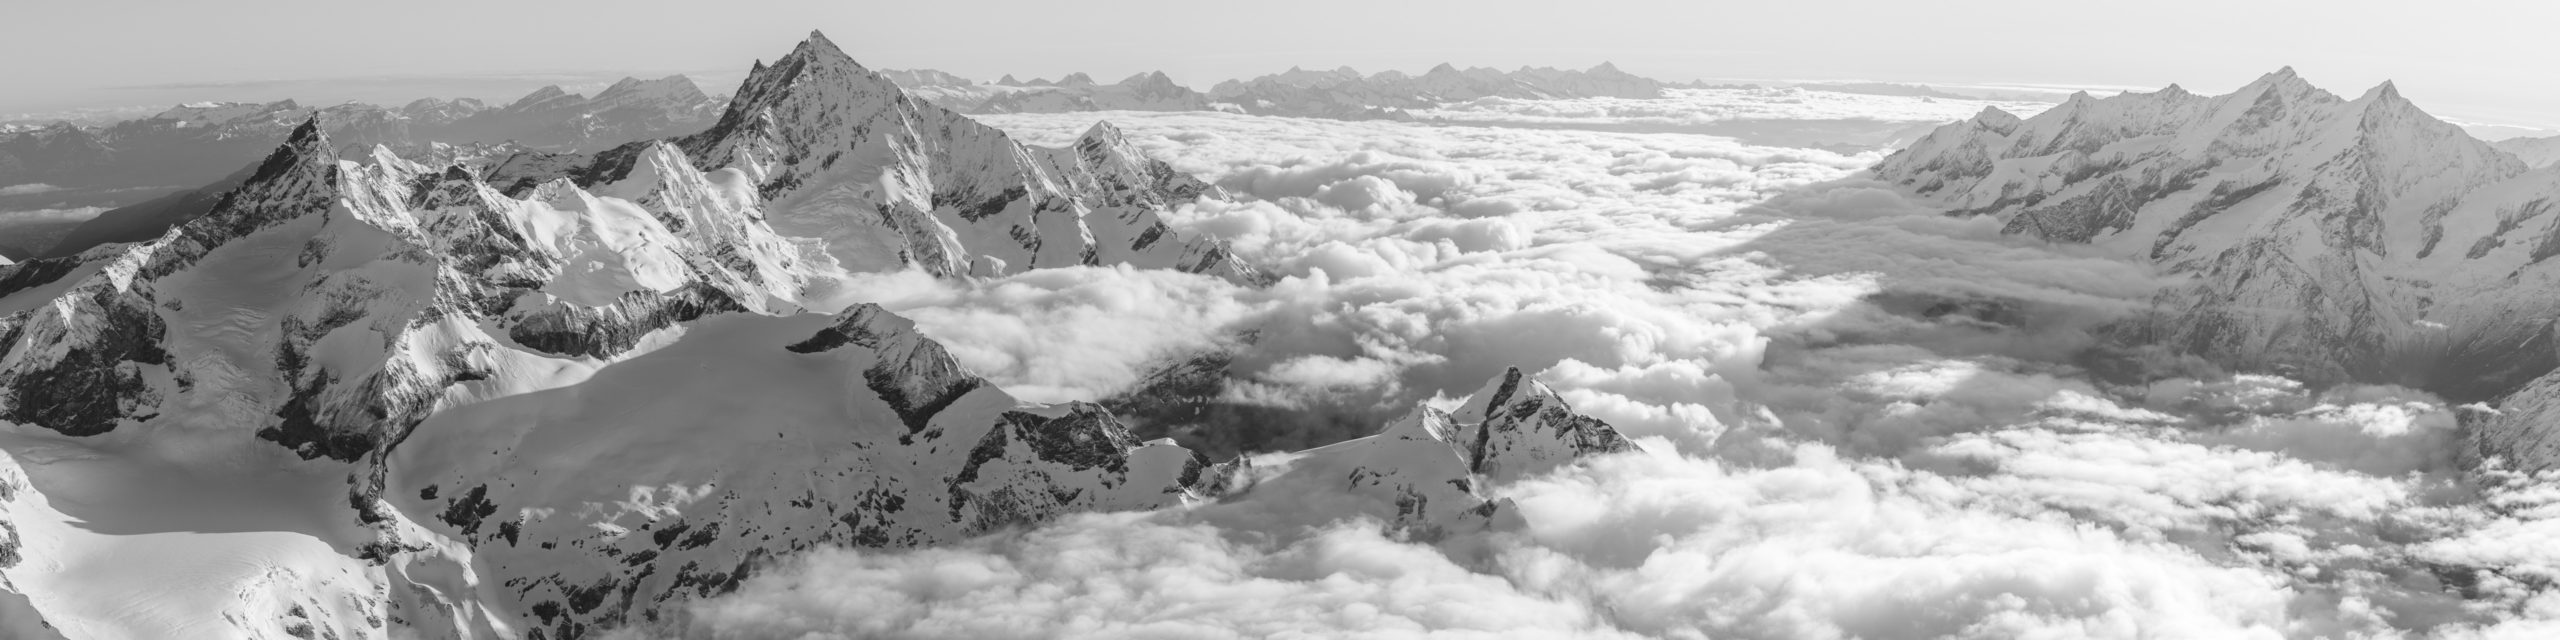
x=2467, y=62
x=1593, y=360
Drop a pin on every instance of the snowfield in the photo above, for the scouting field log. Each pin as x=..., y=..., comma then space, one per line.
x=1200, y=374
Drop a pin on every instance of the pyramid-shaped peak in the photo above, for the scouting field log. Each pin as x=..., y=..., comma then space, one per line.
x=303, y=167
x=1009, y=80
x=2387, y=91
x=816, y=48
x=2282, y=78
x=2384, y=100
x=1606, y=67
x=815, y=57
x=1511, y=388
x=1442, y=68
x=308, y=136
x=1102, y=129
x=1077, y=79
x=817, y=40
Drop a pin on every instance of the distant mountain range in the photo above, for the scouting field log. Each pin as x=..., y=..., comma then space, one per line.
x=145, y=174
x=1342, y=93
x=197, y=143
x=170, y=166
x=2536, y=152
x=178, y=151
x=465, y=370
x=2332, y=239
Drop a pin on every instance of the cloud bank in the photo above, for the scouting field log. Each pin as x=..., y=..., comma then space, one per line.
x=1861, y=419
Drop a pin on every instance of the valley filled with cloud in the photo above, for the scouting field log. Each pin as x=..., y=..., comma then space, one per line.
x=1858, y=417
x=850, y=352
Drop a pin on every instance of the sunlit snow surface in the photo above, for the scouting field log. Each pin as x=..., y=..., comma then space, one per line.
x=1861, y=419
x=1838, y=445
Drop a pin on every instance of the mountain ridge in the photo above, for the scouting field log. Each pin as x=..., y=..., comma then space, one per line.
x=2326, y=238
x=569, y=408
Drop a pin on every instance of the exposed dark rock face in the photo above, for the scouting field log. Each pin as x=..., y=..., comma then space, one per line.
x=1520, y=427
x=604, y=332
x=381, y=320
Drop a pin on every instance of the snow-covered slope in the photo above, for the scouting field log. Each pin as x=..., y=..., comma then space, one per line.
x=672, y=474
x=2536, y=152
x=304, y=332
x=840, y=154
x=1426, y=475
x=418, y=406
x=942, y=88
x=2335, y=239
x=372, y=397
x=2338, y=238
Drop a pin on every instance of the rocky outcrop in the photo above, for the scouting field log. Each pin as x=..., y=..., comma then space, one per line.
x=841, y=154
x=867, y=434
x=391, y=322
x=1427, y=474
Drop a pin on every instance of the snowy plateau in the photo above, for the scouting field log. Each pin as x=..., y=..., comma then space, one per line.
x=1466, y=353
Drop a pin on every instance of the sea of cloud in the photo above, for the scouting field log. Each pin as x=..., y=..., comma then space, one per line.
x=1693, y=106
x=1776, y=116
x=1860, y=418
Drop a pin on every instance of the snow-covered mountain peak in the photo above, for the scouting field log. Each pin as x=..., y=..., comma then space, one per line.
x=1996, y=120
x=2279, y=191
x=817, y=46
x=1425, y=472
x=886, y=181
x=304, y=168
x=1520, y=427
x=2387, y=91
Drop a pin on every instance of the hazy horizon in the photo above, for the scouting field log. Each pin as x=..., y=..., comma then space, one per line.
x=2465, y=63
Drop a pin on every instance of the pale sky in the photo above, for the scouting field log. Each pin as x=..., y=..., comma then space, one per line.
x=2470, y=60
